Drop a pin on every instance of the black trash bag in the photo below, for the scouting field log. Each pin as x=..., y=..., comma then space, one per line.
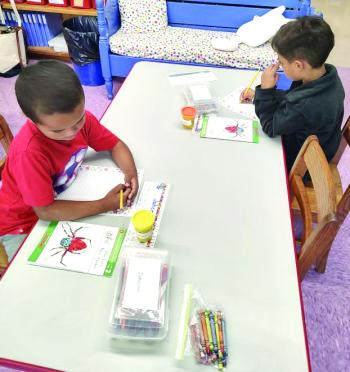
x=82, y=36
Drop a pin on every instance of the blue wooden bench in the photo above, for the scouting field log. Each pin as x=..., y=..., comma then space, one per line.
x=216, y=15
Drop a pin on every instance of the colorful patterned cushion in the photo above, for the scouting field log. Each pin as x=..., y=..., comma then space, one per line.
x=189, y=45
x=143, y=15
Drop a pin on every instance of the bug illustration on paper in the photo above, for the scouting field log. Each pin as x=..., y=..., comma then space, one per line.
x=71, y=243
x=236, y=130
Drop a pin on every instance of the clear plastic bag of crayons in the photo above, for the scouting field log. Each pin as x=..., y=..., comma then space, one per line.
x=140, y=306
x=202, y=332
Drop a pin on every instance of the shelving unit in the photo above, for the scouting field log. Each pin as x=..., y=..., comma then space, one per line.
x=46, y=52
x=51, y=9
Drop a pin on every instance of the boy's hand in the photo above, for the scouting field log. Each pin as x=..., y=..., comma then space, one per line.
x=247, y=97
x=269, y=77
x=132, y=184
x=112, y=199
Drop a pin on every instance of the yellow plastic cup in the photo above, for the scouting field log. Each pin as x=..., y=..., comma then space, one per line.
x=143, y=221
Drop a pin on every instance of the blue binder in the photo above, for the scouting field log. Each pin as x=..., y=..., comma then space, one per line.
x=27, y=29
x=37, y=30
x=52, y=24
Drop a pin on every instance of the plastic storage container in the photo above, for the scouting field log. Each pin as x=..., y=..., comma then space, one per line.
x=37, y=2
x=140, y=305
x=143, y=221
x=201, y=98
x=81, y=4
x=58, y=2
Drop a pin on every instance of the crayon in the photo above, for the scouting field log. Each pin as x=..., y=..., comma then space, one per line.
x=213, y=333
x=121, y=201
x=211, y=346
x=205, y=332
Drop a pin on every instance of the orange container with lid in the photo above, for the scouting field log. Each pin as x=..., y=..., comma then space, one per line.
x=188, y=115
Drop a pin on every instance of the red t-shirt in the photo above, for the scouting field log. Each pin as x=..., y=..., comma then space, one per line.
x=37, y=168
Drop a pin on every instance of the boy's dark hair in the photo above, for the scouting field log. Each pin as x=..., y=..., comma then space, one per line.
x=309, y=38
x=46, y=88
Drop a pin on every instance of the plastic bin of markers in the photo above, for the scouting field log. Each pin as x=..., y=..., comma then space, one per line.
x=140, y=305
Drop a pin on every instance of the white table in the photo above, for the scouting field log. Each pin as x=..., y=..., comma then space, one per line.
x=227, y=227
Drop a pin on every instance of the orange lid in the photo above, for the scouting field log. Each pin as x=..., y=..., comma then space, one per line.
x=189, y=112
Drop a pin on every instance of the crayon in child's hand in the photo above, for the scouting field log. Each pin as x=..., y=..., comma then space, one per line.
x=121, y=199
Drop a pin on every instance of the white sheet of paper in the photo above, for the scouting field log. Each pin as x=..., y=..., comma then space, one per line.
x=188, y=78
x=232, y=103
x=200, y=92
x=142, y=287
x=230, y=129
x=94, y=182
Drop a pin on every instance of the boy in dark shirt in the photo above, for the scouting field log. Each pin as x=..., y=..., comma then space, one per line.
x=314, y=104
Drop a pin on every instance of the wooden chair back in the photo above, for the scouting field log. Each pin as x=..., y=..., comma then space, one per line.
x=6, y=138
x=345, y=141
x=316, y=240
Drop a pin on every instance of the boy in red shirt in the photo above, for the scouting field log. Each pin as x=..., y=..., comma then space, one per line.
x=45, y=155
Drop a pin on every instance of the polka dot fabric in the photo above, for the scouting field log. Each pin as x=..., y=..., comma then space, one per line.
x=189, y=45
x=139, y=16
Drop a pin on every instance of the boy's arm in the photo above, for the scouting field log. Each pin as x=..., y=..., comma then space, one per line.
x=72, y=210
x=277, y=118
x=122, y=156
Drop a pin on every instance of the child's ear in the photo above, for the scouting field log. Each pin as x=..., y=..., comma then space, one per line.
x=300, y=64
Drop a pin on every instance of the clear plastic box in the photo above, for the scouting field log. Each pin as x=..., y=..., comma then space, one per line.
x=140, y=305
x=201, y=98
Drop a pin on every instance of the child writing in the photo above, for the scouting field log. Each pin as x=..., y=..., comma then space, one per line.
x=45, y=155
x=314, y=104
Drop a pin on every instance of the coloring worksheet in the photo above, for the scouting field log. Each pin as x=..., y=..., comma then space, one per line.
x=81, y=247
x=230, y=129
x=94, y=182
x=232, y=103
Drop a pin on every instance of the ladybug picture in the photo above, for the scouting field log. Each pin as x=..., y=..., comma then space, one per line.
x=71, y=243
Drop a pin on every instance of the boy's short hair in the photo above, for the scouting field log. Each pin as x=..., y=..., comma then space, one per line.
x=309, y=38
x=48, y=87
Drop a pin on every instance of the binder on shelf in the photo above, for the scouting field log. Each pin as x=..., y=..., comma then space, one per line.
x=31, y=28
x=42, y=29
x=52, y=24
x=7, y=23
x=36, y=31
x=27, y=29
x=24, y=27
x=12, y=19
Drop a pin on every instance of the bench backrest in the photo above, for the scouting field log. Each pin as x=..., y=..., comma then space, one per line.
x=224, y=15
x=228, y=15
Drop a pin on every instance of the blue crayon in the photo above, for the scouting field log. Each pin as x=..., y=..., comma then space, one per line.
x=223, y=323
x=213, y=333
